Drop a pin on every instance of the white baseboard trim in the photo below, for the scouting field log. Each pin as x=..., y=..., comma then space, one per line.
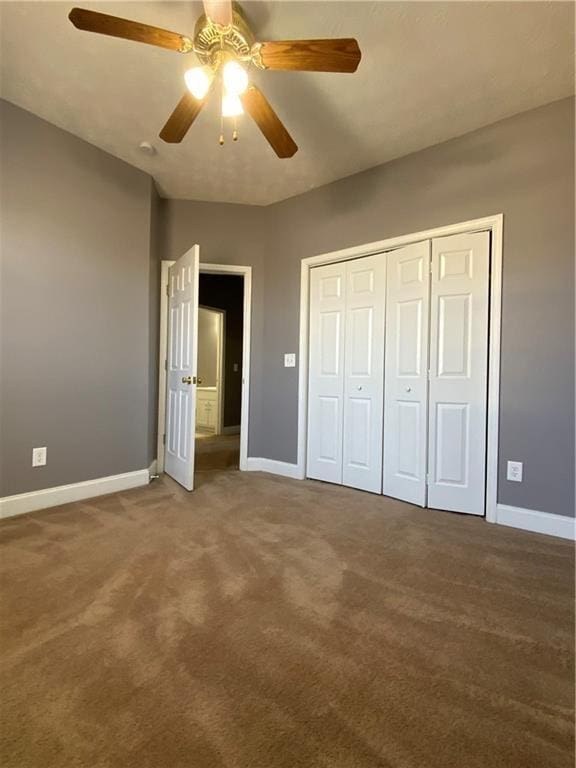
x=231, y=430
x=282, y=468
x=537, y=522
x=64, y=494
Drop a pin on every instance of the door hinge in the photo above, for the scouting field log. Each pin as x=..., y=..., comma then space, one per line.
x=167, y=289
x=165, y=365
x=163, y=439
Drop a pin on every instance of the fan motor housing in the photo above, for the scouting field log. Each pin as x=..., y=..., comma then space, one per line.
x=211, y=39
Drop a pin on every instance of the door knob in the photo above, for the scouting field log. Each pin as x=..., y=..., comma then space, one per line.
x=359, y=389
x=408, y=389
x=186, y=379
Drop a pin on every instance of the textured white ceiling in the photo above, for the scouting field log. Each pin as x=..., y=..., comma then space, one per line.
x=430, y=71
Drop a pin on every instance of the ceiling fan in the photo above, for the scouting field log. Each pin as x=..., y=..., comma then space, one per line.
x=225, y=47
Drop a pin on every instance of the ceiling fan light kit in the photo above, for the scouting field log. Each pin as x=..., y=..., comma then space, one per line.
x=225, y=47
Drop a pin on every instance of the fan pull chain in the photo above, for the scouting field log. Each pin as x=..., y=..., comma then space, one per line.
x=221, y=140
x=235, y=131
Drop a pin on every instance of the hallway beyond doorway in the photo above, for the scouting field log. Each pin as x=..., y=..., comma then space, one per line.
x=217, y=452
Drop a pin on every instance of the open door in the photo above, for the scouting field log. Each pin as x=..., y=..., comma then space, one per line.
x=181, y=364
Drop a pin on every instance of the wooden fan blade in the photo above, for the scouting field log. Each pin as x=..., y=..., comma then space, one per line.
x=219, y=11
x=103, y=24
x=336, y=55
x=259, y=109
x=177, y=125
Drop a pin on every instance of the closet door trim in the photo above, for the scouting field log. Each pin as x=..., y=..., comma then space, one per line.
x=493, y=224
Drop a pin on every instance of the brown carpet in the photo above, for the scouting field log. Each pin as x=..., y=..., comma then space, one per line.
x=270, y=623
x=217, y=452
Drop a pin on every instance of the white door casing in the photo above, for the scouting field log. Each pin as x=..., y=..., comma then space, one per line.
x=458, y=372
x=406, y=380
x=326, y=372
x=494, y=226
x=364, y=373
x=181, y=364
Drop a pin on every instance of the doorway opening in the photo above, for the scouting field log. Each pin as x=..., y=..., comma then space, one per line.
x=220, y=367
x=219, y=389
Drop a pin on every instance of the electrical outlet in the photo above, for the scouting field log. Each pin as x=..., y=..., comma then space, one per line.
x=290, y=360
x=514, y=471
x=39, y=457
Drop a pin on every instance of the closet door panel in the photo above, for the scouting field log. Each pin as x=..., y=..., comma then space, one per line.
x=364, y=373
x=326, y=372
x=328, y=425
x=458, y=372
x=406, y=390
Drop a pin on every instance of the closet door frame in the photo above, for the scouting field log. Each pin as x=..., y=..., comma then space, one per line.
x=494, y=225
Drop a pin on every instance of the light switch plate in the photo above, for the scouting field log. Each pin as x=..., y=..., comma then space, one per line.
x=514, y=471
x=290, y=360
x=39, y=457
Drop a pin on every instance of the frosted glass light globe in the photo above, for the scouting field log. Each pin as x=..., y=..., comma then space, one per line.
x=231, y=105
x=198, y=81
x=235, y=78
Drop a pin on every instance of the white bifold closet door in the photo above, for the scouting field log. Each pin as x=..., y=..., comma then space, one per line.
x=436, y=373
x=458, y=372
x=326, y=372
x=364, y=373
x=345, y=398
x=406, y=403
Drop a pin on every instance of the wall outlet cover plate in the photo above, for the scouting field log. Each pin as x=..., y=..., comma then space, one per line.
x=39, y=457
x=290, y=360
x=514, y=471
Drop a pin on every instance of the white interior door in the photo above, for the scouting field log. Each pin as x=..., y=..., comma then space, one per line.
x=458, y=372
x=406, y=381
x=181, y=374
x=364, y=373
x=326, y=372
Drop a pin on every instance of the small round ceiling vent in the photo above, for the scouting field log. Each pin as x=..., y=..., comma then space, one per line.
x=146, y=148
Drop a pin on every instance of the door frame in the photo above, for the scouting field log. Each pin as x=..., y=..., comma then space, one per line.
x=493, y=224
x=206, y=269
x=221, y=363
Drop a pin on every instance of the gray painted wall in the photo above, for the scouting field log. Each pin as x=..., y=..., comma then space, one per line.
x=154, y=275
x=75, y=308
x=522, y=167
x=83, y=232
